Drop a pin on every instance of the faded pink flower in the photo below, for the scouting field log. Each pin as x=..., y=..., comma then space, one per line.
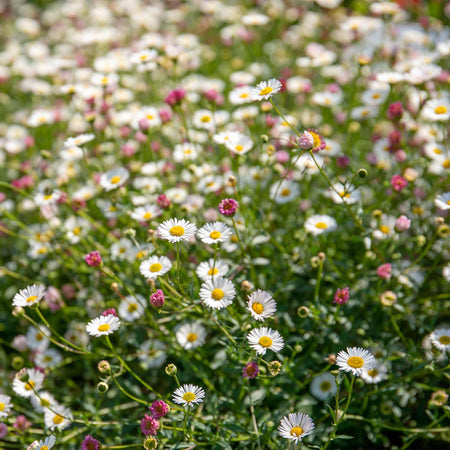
x=384, y=271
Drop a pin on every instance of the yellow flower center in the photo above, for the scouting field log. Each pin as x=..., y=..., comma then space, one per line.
x=132, y=307
x=176, y=231
x=441, y=109
x=321, y=225
x=438, y=151
x=448, y=202
x=77, y=231
x=355, y=361
x=296, y=431
x=265, y=341
x=258, y=308
x=39, y=337
x=140, y=255
x=316, y=137
x=285, y=192
x=189, y=397
x=44, y=402
x=44, y=447
x=217, y=294
x=48, y=197
x=234, y=239
x=58, y=419
x=446, y=164
x=325, y=386
x=205, y=119
x=214, y=271
x=143, y=57
x=375, y=96
x=2, y=406
x=215, y=234
x=104, y=80
x=32, y=298
x=239, y=148
x=147, y=215
x=385, y=229
x=30, y=385
x=155, y=267
x=372, y=373
x=266, y=90
x=103, y=327
x=42, y=251
x=444, y=340
x=115, y=180
x=149, y=116
x=244, y=95
x=191, y=337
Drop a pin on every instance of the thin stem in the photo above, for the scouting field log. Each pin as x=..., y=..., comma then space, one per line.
x=252, y=412
x=319, y=279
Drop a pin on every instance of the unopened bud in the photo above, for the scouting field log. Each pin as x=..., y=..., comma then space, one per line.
x=232, y=180
x=22, y=375
x=443, y=230
x=150, y=443
x=321, y=256
x=17, y=362
x=315, y=262
x=362, y=173
x=331, y=359
x=246, y=286
x=275, y=368
x=303, y=312
x=265, y=138
x=376, y=213
x=102, y=387
x=335, y=372
x=104, y=367
x=115, y=287
x=171, y=369
x=150, y=232
x=130, y=232
x=18, y=311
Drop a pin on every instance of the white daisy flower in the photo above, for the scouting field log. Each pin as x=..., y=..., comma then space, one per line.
x=25, y=388
x=188, y=395
x=79, y=140
x=5, y=405
x=239, y=144
x=263, y=339
x=240, y=95
x=323, y=385
x=58, y=417
x=208, y=270
x=176, y=230
x=217, y=292
x=203, y=119
x=46, y=444
x=348, y=195
x=114, y=178
x=320, y=223
x=376, y=374
x=155, y=266
x=355, y=360
x=103, y=325
x=45, y=400
x=266, y=89
x=284, y=192
x=443, y=201
x=436, y=111
x=440, y=338
x=131, y=308
x=145, y=213
x=261, y=305
x=29, y=296
x=295, y=426
x=191, y=335
x=48, y=358
x=38, y=339
x=186, y=151
x=152, y=354
x=213, y=233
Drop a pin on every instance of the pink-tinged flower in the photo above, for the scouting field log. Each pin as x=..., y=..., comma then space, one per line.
x=395, y=140
x=89, y=443
x=109, y=311
x=311, y=140
x=3, y=430
x=400, y=155
x=93, y=259
x=398, y=183
x=384, y=271
x=162, y=201
x=228, y=207
x=175, y=97
x=341, y=296
x=2, y=197
x=157, y=299
x=53, y=299
x=21, y=423
x=149, y=425
x=402, y=223
x=343, y=161
x=250, y=370
x=165, y=115
x=306, y=141
x=159, y=408
x=395, y=111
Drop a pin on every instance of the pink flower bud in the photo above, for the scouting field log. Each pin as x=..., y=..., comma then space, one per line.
x=93, y=259
x=157, y=299
x=402, y=223
x=384, y=271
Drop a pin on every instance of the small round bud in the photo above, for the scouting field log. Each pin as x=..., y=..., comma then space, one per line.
x=104, y=367
x=443, y=230
x=275, y=368
x=102, y=387
x=362, y=173
x=321, y=256
x=130, y=232
x=270, y=150
x=56, y=431
x=439, y=398
x=232, y=180
x=298, y=348
x=150, y=443
x=331, y=359
x=335, y=372
x=18, y=311
x=303, y=312
x=265, y=138
x=440, y=220
x=171, y=369
x=315, y=262
x=388, y=298
x=246, y=286
x=115, y=286
x=17, y=362
x=376, y=213
x=150, y=232
x=421, y=240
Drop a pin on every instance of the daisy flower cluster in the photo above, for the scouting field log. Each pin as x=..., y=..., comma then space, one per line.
x=224, y=224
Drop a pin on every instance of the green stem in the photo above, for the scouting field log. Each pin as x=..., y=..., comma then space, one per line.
x=317, y=287
x=252, y=412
